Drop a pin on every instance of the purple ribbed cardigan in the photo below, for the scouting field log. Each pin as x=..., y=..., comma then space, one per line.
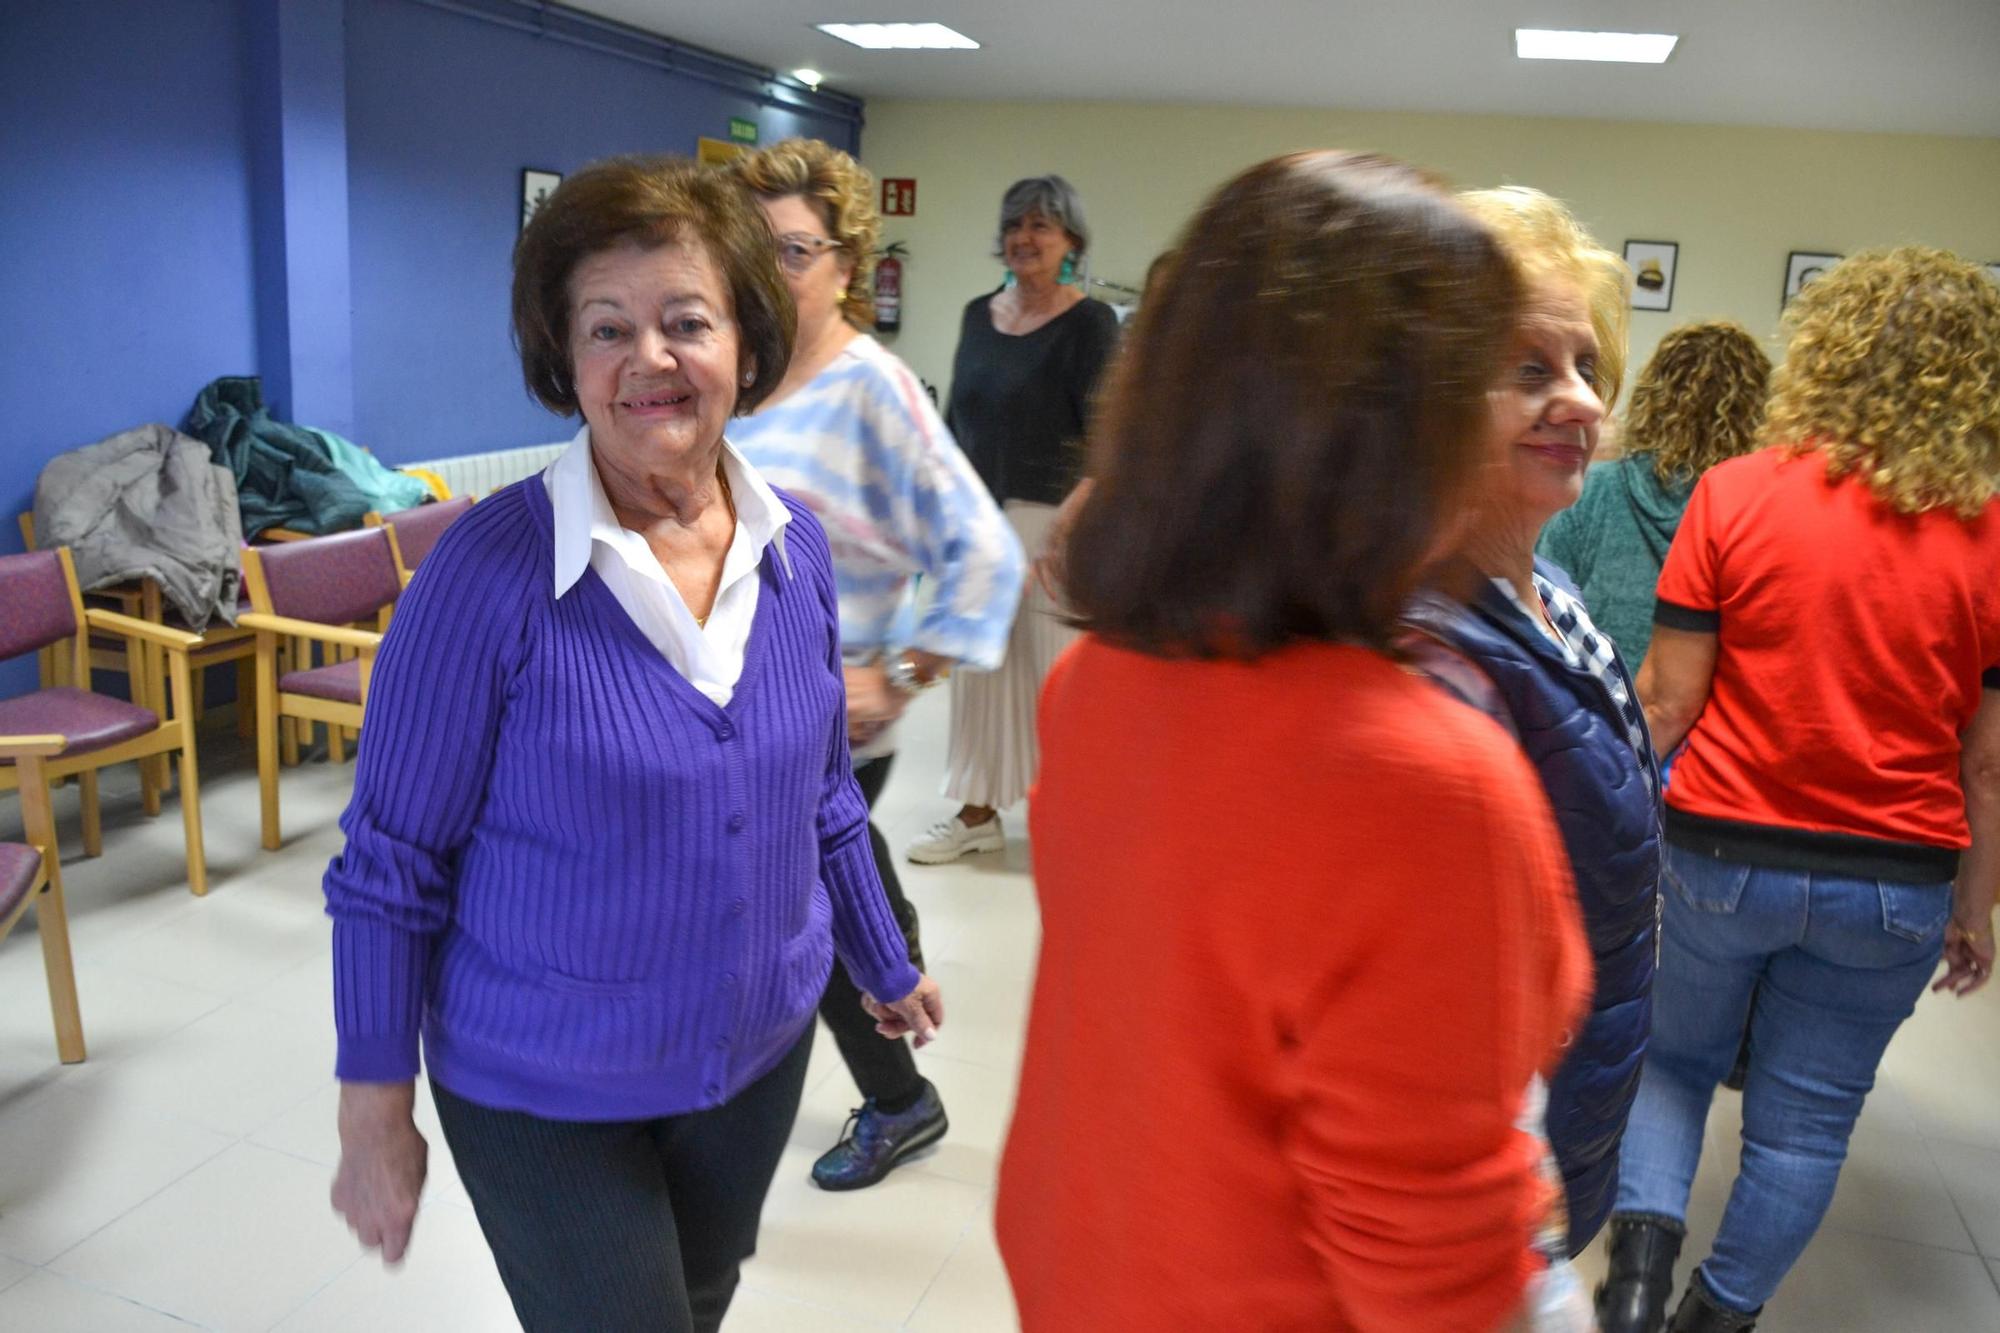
x=600, y=895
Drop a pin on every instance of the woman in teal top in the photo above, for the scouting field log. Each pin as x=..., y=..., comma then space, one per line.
x=1698, y=401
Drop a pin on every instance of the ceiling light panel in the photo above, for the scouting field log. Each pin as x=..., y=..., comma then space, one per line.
x=1631, y=48
x=900, y=36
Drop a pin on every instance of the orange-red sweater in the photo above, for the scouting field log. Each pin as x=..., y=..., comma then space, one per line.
x=1307, y=931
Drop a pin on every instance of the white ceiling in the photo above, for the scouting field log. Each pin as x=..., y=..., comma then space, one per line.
x=1929, y=66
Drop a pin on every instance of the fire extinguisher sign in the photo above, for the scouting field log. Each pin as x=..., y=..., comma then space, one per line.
x=899, y=198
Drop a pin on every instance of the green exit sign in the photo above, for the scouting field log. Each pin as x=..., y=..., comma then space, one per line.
x=741, y=130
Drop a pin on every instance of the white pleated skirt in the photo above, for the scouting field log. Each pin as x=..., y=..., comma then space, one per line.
x=993, y=749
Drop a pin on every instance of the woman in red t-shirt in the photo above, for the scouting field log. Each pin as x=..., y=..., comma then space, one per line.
x=1827, y=644
x=1329, y=898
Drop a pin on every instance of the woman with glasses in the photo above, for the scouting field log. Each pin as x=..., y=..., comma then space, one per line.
x=1029, y=356
x=850, y=433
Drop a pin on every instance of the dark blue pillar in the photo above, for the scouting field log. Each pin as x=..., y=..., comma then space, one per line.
x=298, y=151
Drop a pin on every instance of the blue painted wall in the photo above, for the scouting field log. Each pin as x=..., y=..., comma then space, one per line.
x=134, y=147
x=443, y=114
x=125, y=252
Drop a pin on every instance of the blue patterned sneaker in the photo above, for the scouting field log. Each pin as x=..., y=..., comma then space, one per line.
x=874, y=1141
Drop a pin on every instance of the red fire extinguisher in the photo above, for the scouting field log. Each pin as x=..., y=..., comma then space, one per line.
x=889, y=289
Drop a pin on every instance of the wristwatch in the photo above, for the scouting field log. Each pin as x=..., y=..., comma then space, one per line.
x=903, y=677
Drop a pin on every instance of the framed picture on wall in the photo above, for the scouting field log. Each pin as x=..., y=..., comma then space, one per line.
x=1652, y=273
x=1801, y=267
x=1993, y=272
x=535, y=187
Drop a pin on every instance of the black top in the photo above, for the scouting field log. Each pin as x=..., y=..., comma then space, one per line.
x=1019, y=403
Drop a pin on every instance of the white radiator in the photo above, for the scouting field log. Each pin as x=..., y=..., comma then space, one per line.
x=482, y=474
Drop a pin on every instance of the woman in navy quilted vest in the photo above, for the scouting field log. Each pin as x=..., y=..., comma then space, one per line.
x=1566, y=691
x=605, y=840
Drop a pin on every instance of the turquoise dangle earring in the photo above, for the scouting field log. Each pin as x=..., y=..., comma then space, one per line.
x=1068, y=274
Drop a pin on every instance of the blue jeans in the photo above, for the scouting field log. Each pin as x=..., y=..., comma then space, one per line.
x=1837, y=964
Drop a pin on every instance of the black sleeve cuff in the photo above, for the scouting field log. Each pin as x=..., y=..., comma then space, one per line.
x=1990, y=678
x=1673, y=615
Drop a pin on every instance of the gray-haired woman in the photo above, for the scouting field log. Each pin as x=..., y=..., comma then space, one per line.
x=1029, y=357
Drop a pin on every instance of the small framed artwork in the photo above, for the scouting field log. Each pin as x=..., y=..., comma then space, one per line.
x=535, y=187
x=1993, y=272
x=1801, y=267
x=1652, y=273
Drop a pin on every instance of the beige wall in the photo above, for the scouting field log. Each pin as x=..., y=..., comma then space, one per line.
x=1736, y=200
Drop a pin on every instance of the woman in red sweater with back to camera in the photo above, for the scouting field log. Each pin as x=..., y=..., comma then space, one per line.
x=1336, y=926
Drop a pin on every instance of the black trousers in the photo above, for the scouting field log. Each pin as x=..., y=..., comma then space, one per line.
x=882, y=1069
x=624, y=1227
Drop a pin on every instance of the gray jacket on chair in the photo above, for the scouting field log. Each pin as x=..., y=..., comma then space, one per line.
x=147, y=503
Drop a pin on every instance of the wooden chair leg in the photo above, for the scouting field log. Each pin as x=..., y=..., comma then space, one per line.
x=336, y=744
x=246, y=698
x=51, y=917
x=267, y=741
x=93, y=824
x=149, y=690
x=185, y=699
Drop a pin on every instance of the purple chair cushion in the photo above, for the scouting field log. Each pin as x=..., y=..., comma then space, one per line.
x=340, y=682
x=333, y=580
x=418, y=529
x=90, y=721
x=35, y=609
x=18, y=864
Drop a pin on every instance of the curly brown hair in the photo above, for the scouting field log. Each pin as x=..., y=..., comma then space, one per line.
x=1892, y=371
x=1699, y=400
x=1544, y=238
x=840, y=190
x=1357, y=317
x=647, y=201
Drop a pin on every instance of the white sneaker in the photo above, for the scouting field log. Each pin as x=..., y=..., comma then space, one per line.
x=954, y=838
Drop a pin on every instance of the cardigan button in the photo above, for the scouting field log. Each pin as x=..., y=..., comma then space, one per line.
x=738, y=907
x=736, y=822
x=725, y=732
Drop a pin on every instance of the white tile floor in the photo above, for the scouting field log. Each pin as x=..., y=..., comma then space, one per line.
x=179, y=1177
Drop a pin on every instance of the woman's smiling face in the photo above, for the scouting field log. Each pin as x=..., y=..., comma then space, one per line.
x=655, y=352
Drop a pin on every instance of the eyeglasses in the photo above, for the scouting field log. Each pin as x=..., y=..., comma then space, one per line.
x=798, y=250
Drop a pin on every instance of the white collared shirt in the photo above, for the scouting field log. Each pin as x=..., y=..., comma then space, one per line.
x=587, y=533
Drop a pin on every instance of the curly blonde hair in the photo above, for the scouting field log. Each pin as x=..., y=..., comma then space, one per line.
x=1892, y=371
x=1699, y=400
x=1544, y=238
x=841, y=190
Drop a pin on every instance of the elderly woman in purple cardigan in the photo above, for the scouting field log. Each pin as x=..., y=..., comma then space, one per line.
x=605, y=840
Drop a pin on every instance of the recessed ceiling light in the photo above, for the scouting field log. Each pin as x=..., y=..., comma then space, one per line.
x=1632, y=48
x=900, y=36
x=809, y=77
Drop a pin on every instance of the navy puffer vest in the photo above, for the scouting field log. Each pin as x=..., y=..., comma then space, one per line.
x=1610, y=823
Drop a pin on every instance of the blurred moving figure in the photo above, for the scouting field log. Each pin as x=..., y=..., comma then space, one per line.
x=1307, y=932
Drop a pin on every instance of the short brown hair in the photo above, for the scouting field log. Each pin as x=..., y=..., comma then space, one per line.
x=1298, y=413
x=1699, y=400
x=843, y=194
x=648, y=201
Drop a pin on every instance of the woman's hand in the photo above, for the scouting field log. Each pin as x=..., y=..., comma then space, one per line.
x=382, y=1165
x=872, y=702
x=921, y=1012
x=1968, y=954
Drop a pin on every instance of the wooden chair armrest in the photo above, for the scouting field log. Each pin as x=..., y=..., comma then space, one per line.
x=31, y=747
x=367, y=640
x=134, y=628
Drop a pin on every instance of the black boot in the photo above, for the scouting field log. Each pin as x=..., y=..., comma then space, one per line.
x=1700, y=1312
x=1633, y=1298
